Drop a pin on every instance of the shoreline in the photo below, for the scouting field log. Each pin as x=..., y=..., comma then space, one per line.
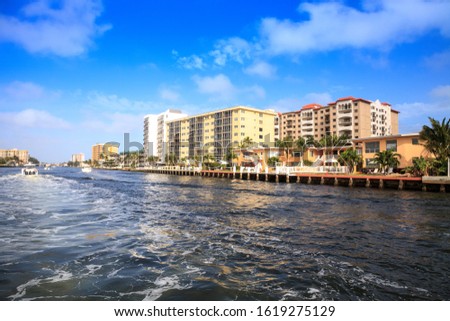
x=426, y=184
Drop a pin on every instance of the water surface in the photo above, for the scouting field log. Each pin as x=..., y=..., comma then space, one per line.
x=110, y=235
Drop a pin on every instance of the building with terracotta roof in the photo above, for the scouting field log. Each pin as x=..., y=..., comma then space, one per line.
x=354, y=117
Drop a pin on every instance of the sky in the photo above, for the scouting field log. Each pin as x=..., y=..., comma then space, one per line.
x=74, y=73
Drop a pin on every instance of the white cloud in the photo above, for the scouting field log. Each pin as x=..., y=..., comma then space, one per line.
x=20, y=90
x=442, y=92
x=334, y=25
x=113, y=102
x=191, y=62
x=219, y=85
x=234, y=49
x=68, y=30
x=262, y=69
x=169, y=94
x=33, y=118
x=115, y=123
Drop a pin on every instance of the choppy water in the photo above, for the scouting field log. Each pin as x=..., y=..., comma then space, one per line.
x=106, y=235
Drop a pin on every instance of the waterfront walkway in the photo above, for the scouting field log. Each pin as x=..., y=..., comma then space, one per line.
x=369, y=181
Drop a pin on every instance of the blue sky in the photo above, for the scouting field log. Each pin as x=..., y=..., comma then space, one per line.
x=77, y=72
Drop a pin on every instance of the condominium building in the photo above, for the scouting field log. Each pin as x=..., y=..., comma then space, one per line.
x=353, y=117
x=216, y=132
x=21, y=155
x=99, y=151
x=78, y=158
x=155, y=132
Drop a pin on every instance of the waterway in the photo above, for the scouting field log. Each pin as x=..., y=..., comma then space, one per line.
x=113, y=235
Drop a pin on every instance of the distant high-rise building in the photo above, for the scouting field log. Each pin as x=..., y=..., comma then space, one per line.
x=353, y=117
x=155, y=132
x=78, y=158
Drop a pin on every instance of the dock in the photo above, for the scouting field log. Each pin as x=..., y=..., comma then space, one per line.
x=426, y=183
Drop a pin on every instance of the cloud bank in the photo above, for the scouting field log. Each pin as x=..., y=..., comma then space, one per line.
x=334, y=25
x=65, y=28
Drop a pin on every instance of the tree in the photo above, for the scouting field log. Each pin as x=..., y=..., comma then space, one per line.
x=421, y=166
x=437, y=141
x=272, y=161
x=33, y=160
x=246, y=142
x=387, y=159
x=301, y=145
x=350, y=158
x=287, y=143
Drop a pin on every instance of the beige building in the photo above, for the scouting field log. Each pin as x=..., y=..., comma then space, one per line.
x=99, y=150
x=407, y=145
x=216, y=132
x=78, y=158
x=22, y=155
x=354, y=117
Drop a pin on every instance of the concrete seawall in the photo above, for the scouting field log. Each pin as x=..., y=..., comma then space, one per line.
x=441, y=184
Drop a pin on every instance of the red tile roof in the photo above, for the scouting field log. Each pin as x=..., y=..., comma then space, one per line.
x=311, y=106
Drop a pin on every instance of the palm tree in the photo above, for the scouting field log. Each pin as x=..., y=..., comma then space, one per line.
x=246, y=142
x=387, y=159
x=301, y=144
x=287, y=143
x=351, y=158
x=437, y=140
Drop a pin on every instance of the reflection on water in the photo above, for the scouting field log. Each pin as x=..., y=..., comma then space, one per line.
x=106, y=235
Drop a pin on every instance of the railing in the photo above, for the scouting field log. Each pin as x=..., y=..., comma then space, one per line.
x=312, y=169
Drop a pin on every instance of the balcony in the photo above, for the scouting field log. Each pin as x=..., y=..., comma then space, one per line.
x=345, y=132
x=344, y=122
x=344, y=110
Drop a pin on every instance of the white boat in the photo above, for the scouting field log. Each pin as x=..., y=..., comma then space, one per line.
x=86, y=169
x=30, y=170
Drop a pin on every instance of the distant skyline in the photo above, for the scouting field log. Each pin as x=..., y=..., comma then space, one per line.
x=79, y=72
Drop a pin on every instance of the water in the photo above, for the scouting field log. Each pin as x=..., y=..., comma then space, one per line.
x=107, y=235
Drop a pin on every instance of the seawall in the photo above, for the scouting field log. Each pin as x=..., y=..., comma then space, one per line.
x=441, y=184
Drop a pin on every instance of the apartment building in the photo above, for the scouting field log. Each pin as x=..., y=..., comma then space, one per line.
x=99, y=151
x=215, y=132
x=354, y=117
x=155, y=132
x=22, y=155
x=78, y=158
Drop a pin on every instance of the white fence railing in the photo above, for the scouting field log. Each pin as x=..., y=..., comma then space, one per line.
x=311, y=169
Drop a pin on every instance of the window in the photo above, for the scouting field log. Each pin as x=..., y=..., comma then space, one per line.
x=373, y=147
x=415, y=141
x=235, y=134
x=242, y=126
x=391, y=145
x=242, y=118
x=260, y=136
x=260, y=129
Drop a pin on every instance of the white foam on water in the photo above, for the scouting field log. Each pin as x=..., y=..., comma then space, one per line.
x=162, y=284
x=59, y=276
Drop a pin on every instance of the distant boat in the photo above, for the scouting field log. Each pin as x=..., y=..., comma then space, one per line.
x=86, y=168
x=47, y=167
x=30, y=170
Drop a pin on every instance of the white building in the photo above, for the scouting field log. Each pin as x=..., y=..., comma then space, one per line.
x=78, y=158
x=155, y=132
